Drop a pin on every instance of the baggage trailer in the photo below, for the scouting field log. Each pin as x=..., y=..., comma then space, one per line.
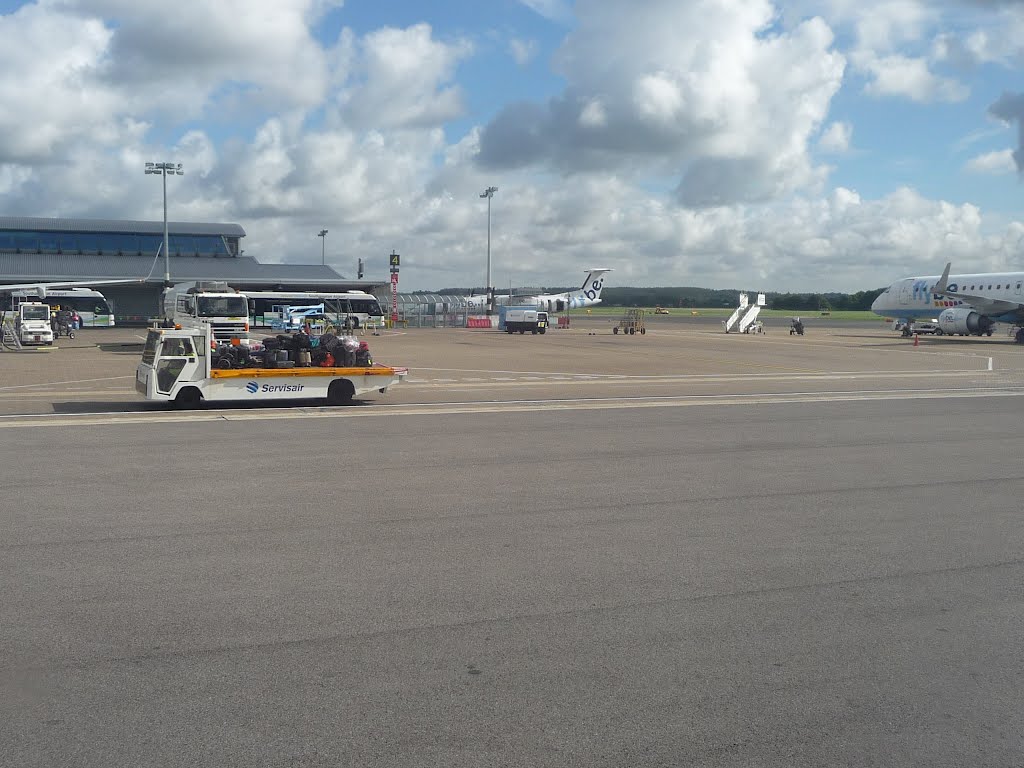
x=631, y=323
x=176, y=367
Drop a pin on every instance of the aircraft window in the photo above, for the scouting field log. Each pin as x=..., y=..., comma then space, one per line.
x=990, y=287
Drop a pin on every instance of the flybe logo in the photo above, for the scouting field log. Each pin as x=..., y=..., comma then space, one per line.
x=594, y=289
x=252, y=387
x=921, y=291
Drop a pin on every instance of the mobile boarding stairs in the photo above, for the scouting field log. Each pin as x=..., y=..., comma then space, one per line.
x=744, y=317
x=9, y=338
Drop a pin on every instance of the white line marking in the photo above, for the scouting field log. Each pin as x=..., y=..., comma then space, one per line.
x=73, y=381
x=492, y=406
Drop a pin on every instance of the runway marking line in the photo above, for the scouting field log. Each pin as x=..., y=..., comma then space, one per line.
x=492, y=406
x=55, y=383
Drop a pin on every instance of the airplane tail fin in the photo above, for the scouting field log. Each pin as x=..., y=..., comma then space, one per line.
x=592, y=275
x=940, y=287
x=593, y=285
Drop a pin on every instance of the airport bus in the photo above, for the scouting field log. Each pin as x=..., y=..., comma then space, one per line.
x=358, y=307
x=92, y=306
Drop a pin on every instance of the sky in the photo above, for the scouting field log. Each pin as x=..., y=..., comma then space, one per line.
x=833, y=145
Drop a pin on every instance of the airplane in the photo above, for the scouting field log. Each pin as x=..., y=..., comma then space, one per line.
x=966, y=304
x=585, y=296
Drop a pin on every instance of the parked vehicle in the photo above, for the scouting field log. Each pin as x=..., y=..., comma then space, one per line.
x=524, y=320
x=210, y=303
x=32, y=323
x=187, y=365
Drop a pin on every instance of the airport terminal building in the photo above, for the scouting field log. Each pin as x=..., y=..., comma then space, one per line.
x=107, y=249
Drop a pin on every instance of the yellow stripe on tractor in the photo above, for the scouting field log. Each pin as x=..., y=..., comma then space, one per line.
x=278, y=373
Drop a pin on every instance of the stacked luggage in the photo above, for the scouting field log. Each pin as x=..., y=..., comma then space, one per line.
x=296, y=350
x=343, y=351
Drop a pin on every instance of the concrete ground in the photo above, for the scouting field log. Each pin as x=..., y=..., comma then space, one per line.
x=679, y=355
x=684, y=548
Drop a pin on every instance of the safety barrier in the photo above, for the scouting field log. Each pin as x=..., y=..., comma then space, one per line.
x=479, y=322
x=563, y=321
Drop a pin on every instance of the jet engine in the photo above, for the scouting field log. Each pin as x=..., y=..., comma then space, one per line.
x=964, y=321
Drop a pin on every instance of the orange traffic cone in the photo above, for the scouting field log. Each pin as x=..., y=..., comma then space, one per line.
x=916, y=338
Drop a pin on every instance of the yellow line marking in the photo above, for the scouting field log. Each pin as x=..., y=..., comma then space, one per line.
x=267, y=373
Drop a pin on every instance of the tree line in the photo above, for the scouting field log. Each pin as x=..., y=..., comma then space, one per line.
x=707, y=297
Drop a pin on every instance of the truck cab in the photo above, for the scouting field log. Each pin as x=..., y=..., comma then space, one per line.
x=214, y=304
x=32, y=323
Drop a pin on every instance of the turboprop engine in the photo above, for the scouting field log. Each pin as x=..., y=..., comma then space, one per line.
x=964, y=321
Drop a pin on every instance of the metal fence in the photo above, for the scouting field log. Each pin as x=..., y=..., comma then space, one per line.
x=428, y=310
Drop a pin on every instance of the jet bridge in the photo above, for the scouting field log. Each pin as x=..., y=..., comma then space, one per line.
x=745, y=315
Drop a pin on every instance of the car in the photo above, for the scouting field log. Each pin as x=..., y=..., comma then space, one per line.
x=926, y=328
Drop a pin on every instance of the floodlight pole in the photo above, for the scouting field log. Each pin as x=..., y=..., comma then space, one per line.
x=163, y=169
x=489, y=193
x=322, y=234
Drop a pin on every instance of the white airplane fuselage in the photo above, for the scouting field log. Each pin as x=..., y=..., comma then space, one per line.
x=962, y=304
x=587, y=295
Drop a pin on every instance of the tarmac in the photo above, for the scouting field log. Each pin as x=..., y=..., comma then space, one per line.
x=576, y=549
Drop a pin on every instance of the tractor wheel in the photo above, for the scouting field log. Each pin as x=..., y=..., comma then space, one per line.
x=340, y=392
x=189, y=397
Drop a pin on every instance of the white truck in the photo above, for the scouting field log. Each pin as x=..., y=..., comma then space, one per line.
x=525, y=319
x=176, y=366
x=32, y=323
x=213, y=304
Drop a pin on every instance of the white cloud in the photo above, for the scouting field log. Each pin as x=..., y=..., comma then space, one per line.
x=405, y=79
x=178, y=54
x=594, y=114
x=998, y=38
x=917, y=49
x=836, y=138
x=701, y=92
x=883, y=26
x=523, y=51
x=909, y=77
x=998, y=162
x=51, y=83
x=554, y=10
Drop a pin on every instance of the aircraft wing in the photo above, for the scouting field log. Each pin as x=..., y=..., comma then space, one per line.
x=982, y=304
x=42, y=285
